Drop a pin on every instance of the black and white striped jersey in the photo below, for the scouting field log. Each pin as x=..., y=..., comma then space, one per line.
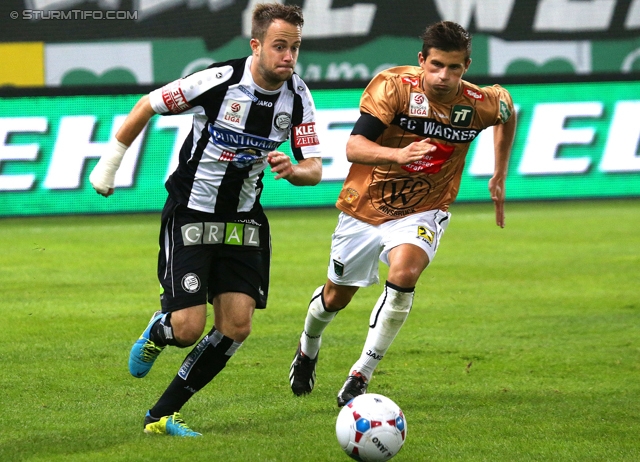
x=235, y=124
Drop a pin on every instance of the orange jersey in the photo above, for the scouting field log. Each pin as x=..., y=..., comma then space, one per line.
x=376, y=194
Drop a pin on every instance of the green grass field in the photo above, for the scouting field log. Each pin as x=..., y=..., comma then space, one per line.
x=523, y=343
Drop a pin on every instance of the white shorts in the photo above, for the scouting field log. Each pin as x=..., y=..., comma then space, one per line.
x=357, y=246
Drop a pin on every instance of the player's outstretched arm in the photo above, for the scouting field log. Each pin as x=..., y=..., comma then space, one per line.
x=102, y=177
x=503, y=135
x=307, y=172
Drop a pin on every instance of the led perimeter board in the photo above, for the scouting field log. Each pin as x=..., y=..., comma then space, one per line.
x=574, y=141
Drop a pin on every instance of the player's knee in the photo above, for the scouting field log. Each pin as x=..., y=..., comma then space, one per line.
x=337, y=297
x=242, y=333
x=237, y=331
x=241, y=330
x=188, y=334
x=405, y=276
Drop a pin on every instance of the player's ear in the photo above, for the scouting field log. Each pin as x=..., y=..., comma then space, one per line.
x=467, y=64
x=255, y=46
x=421, y=58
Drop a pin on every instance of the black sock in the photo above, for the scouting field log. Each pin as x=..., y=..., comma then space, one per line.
x=200, y=366
x=162, y=333
x=405, y=290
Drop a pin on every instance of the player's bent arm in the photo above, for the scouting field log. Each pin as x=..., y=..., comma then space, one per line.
x=102, y=177
x=307, y=172
x=361, y=150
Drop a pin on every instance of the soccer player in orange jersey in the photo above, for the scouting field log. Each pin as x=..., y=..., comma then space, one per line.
x=407, y=151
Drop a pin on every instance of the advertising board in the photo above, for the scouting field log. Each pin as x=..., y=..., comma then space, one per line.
x=574, y=140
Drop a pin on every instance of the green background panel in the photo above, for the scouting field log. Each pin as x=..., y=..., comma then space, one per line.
x=148, y=193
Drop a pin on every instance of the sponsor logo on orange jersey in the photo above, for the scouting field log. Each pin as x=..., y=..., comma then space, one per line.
x=461, y=116
x=431, y=163
x=473, y=94
x=413, y=81
x=351, y=195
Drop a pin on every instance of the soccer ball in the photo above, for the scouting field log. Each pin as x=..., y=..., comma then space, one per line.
x=371, y=428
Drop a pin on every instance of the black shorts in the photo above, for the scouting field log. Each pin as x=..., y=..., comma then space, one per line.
x=201, y=257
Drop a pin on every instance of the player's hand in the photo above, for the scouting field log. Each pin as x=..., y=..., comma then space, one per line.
x=103, y=176
x=280, y=164
x=497, y=190
x=415, y=151
x=102, y=179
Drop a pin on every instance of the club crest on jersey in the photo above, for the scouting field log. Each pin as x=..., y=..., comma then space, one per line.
x=191, y=283
x=419, y=105
x=234, y=112
x=282, y=121
x=305, y=135
x=426, y=234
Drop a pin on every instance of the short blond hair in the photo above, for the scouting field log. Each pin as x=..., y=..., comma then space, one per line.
x=265, y=13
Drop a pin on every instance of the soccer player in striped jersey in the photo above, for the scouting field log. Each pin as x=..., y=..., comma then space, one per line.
x=214, y=239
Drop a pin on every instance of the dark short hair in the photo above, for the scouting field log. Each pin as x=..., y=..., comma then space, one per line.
x=446, y=36
x=265, y=13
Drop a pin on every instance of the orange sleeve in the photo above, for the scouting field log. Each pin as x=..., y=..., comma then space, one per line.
x=382, y=98
x=505, y=104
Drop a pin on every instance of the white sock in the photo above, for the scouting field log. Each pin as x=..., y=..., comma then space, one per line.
x=387, y=317
x=318, y=318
